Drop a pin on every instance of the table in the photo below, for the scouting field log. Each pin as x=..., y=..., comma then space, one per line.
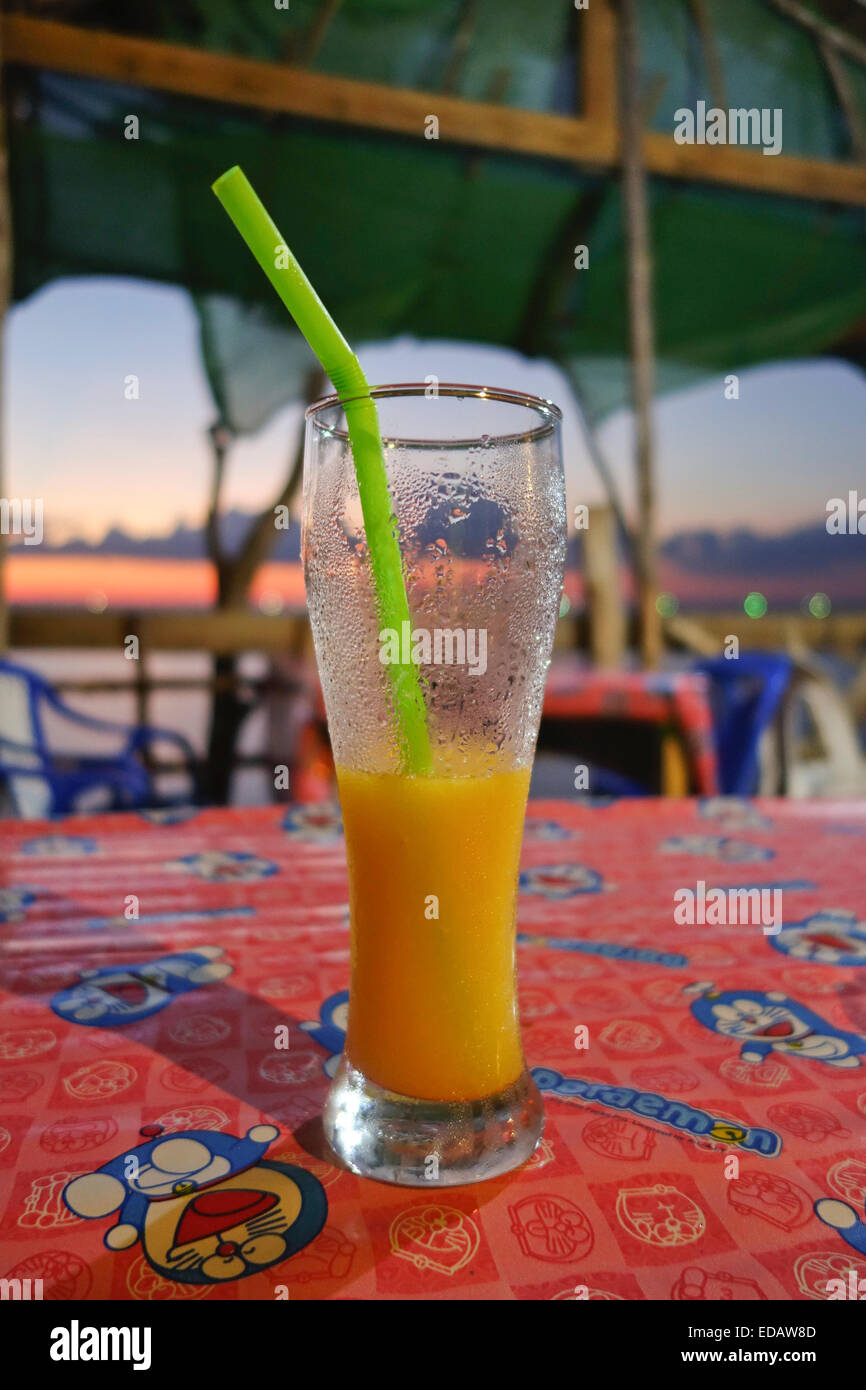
x=676, y=701
x=704, y=1085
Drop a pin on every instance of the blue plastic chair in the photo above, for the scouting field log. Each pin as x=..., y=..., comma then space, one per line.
x=746, y=694
x=43, y=782
x=605, y=782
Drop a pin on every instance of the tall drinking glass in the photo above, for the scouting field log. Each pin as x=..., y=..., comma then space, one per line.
x=432, y=1087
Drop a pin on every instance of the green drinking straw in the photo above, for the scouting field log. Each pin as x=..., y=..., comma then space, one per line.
x=263, y=238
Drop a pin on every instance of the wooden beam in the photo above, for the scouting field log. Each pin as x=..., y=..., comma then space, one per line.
x=705, y=632
x=598, y=64
x=641, y=327
x=322, y=21
x=602, y=578
x=846, y=97
x=276, y=87
x=842, y=632
x=581, y=140
x=802, y=15
x=210, y=630
x=813, y=179
x=712, y=59
x=224, y=631
x=460, y=45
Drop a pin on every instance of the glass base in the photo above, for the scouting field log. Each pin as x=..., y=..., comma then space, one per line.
x=430, y=1143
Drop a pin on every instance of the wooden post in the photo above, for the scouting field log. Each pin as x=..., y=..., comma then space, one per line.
x=460, y=45
x=715, y=71
x=603, y=581
x=641, y=336
x=598, y=66
x=322, y=21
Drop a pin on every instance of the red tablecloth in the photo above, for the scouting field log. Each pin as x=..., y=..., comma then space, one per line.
x=631, y=1194
x=675, y=699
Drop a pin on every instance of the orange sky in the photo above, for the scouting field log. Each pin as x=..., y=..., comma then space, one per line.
x=98, y=581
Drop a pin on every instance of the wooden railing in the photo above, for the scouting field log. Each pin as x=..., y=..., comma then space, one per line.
x=227, y=633
x=210, y=632
x=235, y=633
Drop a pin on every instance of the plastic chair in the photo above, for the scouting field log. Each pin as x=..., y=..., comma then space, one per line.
x=746, y=695
x=41, y=782
x=605, y=782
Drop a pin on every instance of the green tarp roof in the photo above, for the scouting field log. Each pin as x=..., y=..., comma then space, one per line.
x=416, y=236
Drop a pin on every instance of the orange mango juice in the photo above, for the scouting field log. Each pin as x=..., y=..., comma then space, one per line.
x=433, y=864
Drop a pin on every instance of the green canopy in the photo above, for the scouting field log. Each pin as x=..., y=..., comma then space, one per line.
x=417, y=236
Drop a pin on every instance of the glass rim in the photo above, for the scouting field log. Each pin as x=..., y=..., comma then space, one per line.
x=547, y=410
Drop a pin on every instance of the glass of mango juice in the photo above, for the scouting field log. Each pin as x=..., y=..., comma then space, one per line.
x=432, y=1088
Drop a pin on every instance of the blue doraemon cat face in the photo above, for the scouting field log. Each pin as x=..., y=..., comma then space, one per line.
x=828, y=938
x=723, y=847
x=114, y=995
x=166, y=1166
x=207, y=1206
x=771, y=1022
x=751, y=1016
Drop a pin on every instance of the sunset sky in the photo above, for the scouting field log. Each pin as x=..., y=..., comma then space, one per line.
x=768, y=461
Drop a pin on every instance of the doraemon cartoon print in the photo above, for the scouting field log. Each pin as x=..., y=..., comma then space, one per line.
x=844, y=1219
x=330, y=1031
x=766, y=1023
x=830, y=938
x=734, y=812
x=114, y=995
x=560, y=880
x=206, y=1206
x=14, y=903
x=723, y=847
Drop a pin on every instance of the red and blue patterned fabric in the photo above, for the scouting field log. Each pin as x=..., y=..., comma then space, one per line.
x=173, y=999
x=672, y=700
